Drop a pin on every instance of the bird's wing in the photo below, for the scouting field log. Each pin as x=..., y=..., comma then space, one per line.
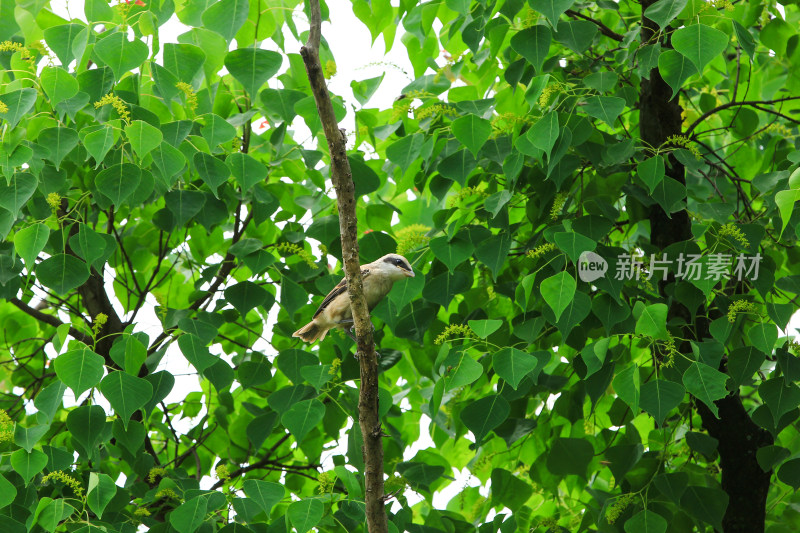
x=340, y=288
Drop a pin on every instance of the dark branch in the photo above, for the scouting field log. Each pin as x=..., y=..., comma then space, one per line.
x=723, y=107
x=50, y=319
x=605, y=30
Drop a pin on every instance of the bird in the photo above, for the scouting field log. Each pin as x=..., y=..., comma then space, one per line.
x=335, y=311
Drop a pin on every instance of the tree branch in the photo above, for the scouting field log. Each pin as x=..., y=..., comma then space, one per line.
x=605, y=30
x=343, y=183
x=723, y=107
x=50, y=319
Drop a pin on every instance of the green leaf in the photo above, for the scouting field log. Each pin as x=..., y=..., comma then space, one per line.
x=302, y=417
x=472, y=132
x=196, y=352
x=746, y=40
x=185, y=62
x=28, y=437
x=743, y=363
x=785, y=201
x=19, y=102
x=143, y=137
x=247, y=170
x=699, y=43
x=264, y=493
x=544, y=133
x=17, y=193
x=363, y=90
x=80, y=369
x=100, y=492
x=129, y=353
x=482, y=416
x=226, y=17
x=460, y=369
x=706, y=384
x=60, y=141
x=252, y=67
x=789, y=473
x=120, y=54
x=659, y=397
x=8, y=492
x=212, y=171
x=646, y=521
x=169, y=161
x=87, y=244
x=98, y=11
x=577, y=35
x=558, y=291
x=493, y=252
x=280, y=102
x=627, y=385
x=451, y=253
x=442, y=288
x=509, y=490
x=317, y=375
x=706, y=504
x=406, y=150
x=61, y=39
x=651, y=171
x=305, y=514
x=662, y=13
x=118, y=182
x=87, y=424
x=189, y=516
x=484, y=328
x=573, y=244
x=49, y=513
x=675, y=68
x=457, y=166
x=28, y=464
x=365, y=179
x=49, y=400
x=98, y=142
x=606, y=108
x=602, y=81
x=184, y=205
x=552, y=9
x=569, y=456
x=30, y=241
x=513, y=365
x=763, y=337
x=58, y=84
x=247, y=295
x=651, y=320
x=533, y=44
x=125, y=393
x=62, y=273
x=405, y=291
x=779, y=397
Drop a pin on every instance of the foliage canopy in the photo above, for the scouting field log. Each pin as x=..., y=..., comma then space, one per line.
x=660, y=395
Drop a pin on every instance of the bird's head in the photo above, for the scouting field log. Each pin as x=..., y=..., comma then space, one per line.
x=396, y=266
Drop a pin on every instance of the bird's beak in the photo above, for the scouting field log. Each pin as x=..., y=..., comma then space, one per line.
x=409, y=273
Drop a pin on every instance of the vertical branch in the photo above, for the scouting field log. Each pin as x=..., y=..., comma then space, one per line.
x=342, y=179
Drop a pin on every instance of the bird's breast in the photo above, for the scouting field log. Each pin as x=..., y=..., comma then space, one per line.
x=375, y=289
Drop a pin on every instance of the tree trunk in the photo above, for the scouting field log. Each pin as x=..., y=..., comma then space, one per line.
x=739, y=437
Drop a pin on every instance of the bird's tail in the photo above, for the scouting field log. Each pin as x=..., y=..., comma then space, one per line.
x=311, y=332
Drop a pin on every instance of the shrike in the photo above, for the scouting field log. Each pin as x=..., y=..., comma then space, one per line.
x=335, y=312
